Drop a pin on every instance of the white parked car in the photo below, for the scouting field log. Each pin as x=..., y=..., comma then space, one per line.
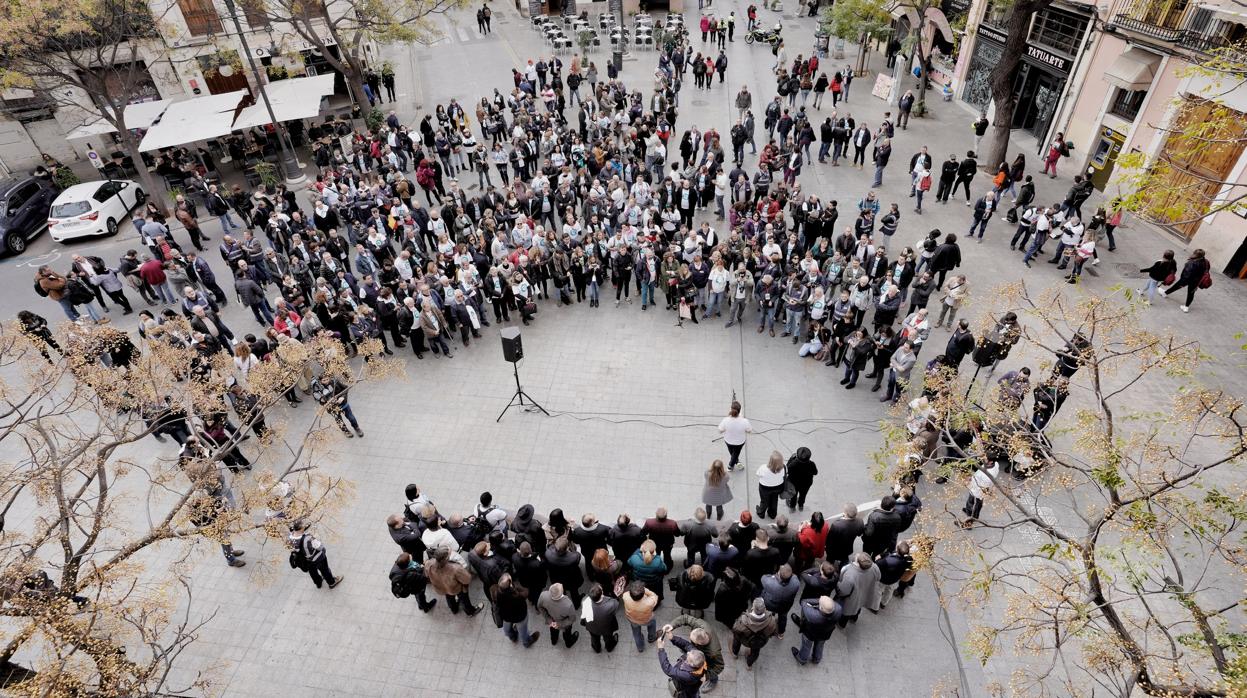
x=93, y=208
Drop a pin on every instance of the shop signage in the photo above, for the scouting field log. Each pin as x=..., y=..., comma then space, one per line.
x=1034, y=53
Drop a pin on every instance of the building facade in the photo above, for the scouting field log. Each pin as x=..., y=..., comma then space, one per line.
x=1050, y=67
x=198, y=52
x=1140, y=87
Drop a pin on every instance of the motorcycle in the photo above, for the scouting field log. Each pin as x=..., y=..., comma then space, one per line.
x=770, y=36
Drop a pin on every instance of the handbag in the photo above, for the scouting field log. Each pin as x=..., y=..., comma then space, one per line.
x=621, y=584
x=686, y=313
x=1205, y=281
x=530, y=308
x=1170, y=279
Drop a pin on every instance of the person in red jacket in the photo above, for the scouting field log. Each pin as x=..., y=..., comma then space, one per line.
x=663, y=532
x=153, y=272
x=811, y=540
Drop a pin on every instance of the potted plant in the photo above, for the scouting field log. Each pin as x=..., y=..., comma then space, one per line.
x=269, y=177
x=584, y=39
x=373, y=120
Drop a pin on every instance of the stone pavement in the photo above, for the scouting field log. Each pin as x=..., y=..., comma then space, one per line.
x=634, y=402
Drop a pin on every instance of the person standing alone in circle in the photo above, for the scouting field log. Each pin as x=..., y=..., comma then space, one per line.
x=734, y=428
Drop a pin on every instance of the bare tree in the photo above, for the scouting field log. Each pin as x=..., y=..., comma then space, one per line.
x=345, y=26
x=1112, y=558
x=90, y=58
x=83, y=613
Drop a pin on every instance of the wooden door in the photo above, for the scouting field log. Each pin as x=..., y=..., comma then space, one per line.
x=1199, y=153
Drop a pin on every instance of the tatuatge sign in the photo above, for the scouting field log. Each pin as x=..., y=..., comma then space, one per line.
x=1036, y=54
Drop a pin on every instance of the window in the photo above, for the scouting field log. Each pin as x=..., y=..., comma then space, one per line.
x=309, y=9
x=1059, y=30
x=996, y=13
x=21, y=195
x=201, y=17
x=106, y=191
x=1126, y=103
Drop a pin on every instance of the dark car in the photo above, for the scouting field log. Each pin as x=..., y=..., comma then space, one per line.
x=24, y=206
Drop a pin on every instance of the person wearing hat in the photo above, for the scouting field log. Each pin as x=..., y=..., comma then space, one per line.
x=755, y=627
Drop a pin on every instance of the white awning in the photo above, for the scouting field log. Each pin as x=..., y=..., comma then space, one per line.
x=295, y=98
x=138, y=115
x=193, y=120
x=1133, y=70
x=212, y=116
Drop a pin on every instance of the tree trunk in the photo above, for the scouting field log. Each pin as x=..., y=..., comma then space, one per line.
x=153, y=188
x=862, y=48
x=1002, y=80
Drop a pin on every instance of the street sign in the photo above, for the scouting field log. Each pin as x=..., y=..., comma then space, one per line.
x=94, y=157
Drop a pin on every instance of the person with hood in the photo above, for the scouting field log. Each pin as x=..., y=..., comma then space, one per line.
x=752, y=630
x=526, y=527
x=779, y=591
x=694, y=591
x=731, y=596
x=407, y=577
x=698, y=533
x=511, y=600
x=801, y=472
x=598, y=616
x=563, y=565
x=451, y=579
x=704, y=639
x=686, y=673
x=858, y=588
x=817, y=619
x=529, y=569
x=625, y=537
x=560, y=613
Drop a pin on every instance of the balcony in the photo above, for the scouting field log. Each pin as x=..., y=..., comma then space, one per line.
x=1163, y=20
x=1199, y=29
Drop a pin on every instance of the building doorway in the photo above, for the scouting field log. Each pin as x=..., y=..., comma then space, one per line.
x=1037, y=93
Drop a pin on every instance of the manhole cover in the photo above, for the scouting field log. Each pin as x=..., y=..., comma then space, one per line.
x=1127, y=270
x=700, y=103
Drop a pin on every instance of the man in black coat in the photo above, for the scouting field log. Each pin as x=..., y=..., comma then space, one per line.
x=817, y=620
x=698, y=533
x=882, y=527
x=945, y=258
x=965, y=174
x=625, y=538
x=843, y=535
x=591, y=536
x=948, y=174
x=407, y=536
x=662, y=530
x=960, y=344
x=892, y=566
x=563, y=565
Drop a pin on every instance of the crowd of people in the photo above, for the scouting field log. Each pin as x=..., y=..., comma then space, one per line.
x=751, y=576
x=595, y=192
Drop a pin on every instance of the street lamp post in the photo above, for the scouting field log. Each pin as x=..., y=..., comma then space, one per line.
x=294, y=173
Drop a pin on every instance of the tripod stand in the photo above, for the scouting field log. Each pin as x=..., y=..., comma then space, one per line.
x=520, y=395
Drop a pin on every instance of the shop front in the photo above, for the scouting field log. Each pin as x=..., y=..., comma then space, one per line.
x=1037, y=87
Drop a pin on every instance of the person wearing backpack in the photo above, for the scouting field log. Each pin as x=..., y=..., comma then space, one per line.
x=407, y=579
x=68, y=292
x=1196, y=273
x=308, y=554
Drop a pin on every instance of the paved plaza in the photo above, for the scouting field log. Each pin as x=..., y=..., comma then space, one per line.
x=634, y=402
